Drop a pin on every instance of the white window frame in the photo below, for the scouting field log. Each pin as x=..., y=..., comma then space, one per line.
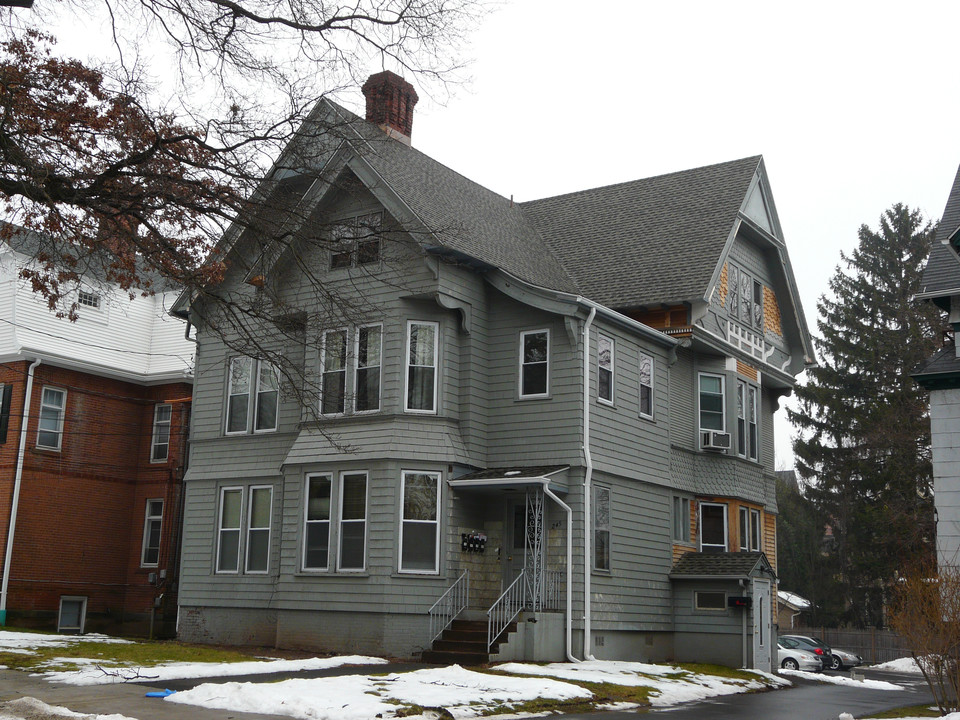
x=681, y=519
x=744, y=528
x=158, y=424
x=598, y=527
x=407, y=366
x=726, y=526
x=357, y=368
x=435, y=522
x=522, y=365
x=652, y=386
x=307, y=522
x=253, y=396
x=610, y=369
x=260, y=529
x=345, y=332
x=221, y=529
x=753, y=425
x=148, y=522
x=341, y=522
x=756, y=530
x=82, y=599
x=61, y=412
x=259, y=391
x=723, y=401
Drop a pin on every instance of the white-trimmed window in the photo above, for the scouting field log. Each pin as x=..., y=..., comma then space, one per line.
x=753, y=406
x=316, y=524
x=713, y=527
x=645, y=377
x=420, y=525
x=681, y=519
x=747, y=436
x=745, y=297
x=352, y=533
x=73, y=614
x=601, y=528
x=755, y=529
x=86, y=298
x=712, y=415
x=259, y=514
x=421, y=367
x=744, y=528
x=366, y=377
x=152, y=525
x=50, y=426
x=356, y=241
x=605, y=377
x=160, y=442
x=534, y=363
x=252, y=396
x=334, y=372
x=228, y=529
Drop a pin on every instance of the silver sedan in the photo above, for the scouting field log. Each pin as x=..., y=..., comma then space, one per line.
x=796, y=658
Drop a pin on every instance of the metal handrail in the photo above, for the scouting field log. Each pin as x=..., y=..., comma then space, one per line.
x=505, y=610
x=451, y=603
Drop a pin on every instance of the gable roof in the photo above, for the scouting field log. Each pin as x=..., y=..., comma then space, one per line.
x=721, y=565
x=647, y=242
x=941, y=276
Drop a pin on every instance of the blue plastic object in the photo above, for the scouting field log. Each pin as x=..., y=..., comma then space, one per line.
x=160, y=693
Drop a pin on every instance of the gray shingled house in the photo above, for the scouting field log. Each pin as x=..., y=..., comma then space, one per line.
x=941, y=376
x=524, y=430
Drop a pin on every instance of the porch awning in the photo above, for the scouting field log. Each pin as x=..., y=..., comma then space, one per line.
x=515, y=478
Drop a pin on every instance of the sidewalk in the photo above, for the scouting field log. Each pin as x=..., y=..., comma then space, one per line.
x=129, y=699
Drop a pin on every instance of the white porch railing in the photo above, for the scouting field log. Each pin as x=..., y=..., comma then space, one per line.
x=505, y=610
x=450, y=604
x=553, y=590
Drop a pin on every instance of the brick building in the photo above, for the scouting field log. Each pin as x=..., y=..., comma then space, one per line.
x=90, y=483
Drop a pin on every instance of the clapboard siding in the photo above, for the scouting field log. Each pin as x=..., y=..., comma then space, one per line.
x=622, y=441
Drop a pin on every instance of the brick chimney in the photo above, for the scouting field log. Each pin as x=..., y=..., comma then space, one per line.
x=390, y=102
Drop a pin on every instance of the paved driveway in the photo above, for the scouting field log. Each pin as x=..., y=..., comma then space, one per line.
x=807, y=700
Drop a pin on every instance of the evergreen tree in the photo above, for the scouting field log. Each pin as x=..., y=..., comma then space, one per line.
x=863, y=429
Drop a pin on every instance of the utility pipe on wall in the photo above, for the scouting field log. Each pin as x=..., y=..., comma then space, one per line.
x=8, y=556
x=587, y=478
x=566, y=508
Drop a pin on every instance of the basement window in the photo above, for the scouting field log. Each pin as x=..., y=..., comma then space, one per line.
x=73, y=614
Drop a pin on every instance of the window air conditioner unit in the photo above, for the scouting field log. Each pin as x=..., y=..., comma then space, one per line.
x=713, y=440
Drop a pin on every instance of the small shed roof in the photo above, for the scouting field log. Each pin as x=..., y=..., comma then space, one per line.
x=724, y=565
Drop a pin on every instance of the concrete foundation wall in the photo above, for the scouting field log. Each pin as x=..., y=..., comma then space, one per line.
x=716, y=648
x=228, y=626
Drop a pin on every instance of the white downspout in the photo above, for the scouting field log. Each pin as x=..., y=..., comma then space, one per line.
x=566, y=508
x=587, y=478
x=18, y=476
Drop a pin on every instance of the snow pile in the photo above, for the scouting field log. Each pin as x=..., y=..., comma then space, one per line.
x=670, y=685
x=463, y=693
x=904, y=665
x=89, y=672
x=842, y=680
x=28, y=707
x=25, y=643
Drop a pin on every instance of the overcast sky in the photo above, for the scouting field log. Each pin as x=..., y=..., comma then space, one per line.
x=854, y=106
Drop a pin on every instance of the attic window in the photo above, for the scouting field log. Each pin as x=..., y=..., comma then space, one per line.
x=88, y=299
x=356, y=241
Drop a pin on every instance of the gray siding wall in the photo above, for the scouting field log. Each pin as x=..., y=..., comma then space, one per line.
x=635, y=593
x=622, y=441
x=945, y=442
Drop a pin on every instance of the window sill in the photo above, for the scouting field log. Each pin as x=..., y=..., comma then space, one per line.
x=330, y=574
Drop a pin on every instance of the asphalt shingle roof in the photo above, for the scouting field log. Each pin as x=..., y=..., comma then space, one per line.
x=942, y=273
x=945, y=361
x=650, y=241
x=725, y=564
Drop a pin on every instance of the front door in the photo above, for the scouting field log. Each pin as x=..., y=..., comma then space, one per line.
x=514, y=541
x=762, y=625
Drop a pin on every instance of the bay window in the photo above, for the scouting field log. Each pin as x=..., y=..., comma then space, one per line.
x=421, y=367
